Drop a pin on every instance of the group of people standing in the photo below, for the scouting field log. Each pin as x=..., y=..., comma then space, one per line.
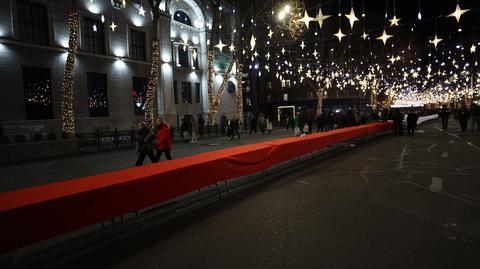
x=153, y=142
x=260, y=121
x=463, y=114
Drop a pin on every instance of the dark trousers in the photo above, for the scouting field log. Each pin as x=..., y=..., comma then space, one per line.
x=142, y=154
x=463, y=124
x=320, y=128
x=397, y=127
x=445, y=124
x=411, y=129
x=167, y=154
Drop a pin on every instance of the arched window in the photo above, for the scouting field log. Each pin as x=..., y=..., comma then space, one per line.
x=182, y=17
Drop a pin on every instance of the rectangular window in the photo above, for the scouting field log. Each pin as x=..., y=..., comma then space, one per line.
x=139, y=94
x=93, y=36
x=32, y=22
x=197, y=93
x=195, y=57
x=175, y=92
x=137, y=45
x=38, y=93
x=183, y=56
x=186, y=92
x=97, y=95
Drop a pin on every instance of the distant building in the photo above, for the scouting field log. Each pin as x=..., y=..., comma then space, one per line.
x=112, y=66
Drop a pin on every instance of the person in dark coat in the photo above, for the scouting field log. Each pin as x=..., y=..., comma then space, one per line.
x=201, y=126
x=462, y=116
x=329, y=121
x=320, y=122
x=397, y=118
x=235, y=127
x=444, y=114
x=412, y=119
x=475, y=113
x=163, y=140
x=144, y=144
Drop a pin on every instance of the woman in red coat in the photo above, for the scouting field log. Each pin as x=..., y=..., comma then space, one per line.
x=163, y=139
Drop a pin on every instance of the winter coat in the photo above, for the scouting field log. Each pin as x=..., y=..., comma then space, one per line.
x=163, y=137
x=412, y=119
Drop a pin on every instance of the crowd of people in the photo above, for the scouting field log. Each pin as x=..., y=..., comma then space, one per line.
x=153, y=142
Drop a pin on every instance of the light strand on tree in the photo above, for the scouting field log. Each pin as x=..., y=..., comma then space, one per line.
x=239, y=97
x=210, y=84
x=68, y=116
x=152, y=85
x=212, y=112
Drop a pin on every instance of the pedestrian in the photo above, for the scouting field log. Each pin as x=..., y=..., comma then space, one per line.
x=320, y=120
x=194, y=130
x=296, y=125
x=444, y=114
x=412, y=119
x=363, y=117
x=145, y=140
x=184, y=130
x=269, y=125
x=163, y=140
x=230, y=129
x=287, y=121
x=262, y=123
x=201, y=126
x=330, y=121
x=463, y=115
x=253, y=123
x=397, y=118
x=236, y=127
x=475, y=113
x=305, y=128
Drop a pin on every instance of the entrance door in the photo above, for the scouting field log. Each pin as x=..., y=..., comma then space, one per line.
x=283, y=112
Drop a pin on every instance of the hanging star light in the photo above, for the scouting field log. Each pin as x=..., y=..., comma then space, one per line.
x=340, y=35
x=315, y=53
x=384, y=37
x=252, y=43
x=458, y=13
x=394, y=21
x=194, y=54
x=102, y=18
x=268, y=56
x=220, y=45
x=141, y=11
x=473, y=48
x=232, y=47
x=270, y=33
x=113, y=26
x=392, y=59
x=364, y=36
x=351, y=17
x=306, y=19
x=283, y=50
x=435, y=41
x=302, y=45
x=320, y=17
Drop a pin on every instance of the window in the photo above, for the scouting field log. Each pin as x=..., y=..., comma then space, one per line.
x=97, y=95
x=197, y=93
x=32, y=22
x=137, y=45
x=195, y=58
x=182, y=17
x=269, y=85
x=175, y=92
x=186, y=92
x=38, y=93
x=183, y=56
x=139, y=93
x=93, y=36
x=286, y=84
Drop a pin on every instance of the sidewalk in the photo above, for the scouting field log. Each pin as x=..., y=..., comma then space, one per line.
x=33, y=173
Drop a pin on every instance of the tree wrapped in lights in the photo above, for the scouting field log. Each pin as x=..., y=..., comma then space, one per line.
x=290, y=17
x=239, y=96
x=215, y=99
x=152, y=85
x=68, y=117
x=210, y=85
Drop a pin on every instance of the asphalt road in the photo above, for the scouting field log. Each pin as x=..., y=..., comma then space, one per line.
x=398, y=202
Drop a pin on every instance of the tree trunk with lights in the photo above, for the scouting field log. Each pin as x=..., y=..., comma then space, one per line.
x=214, y=104
x=239, y=96
x=319, y=92
x=68, y=116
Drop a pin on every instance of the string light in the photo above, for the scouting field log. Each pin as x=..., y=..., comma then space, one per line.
x=239, y=96
x=152, y=85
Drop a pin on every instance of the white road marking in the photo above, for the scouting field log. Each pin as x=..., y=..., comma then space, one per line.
x=420, y=131
x=429, y=149
x=445, y=154
x=436, y=185
x=457, y=137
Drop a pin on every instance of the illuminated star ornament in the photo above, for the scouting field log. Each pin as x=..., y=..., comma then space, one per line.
x=306, y=19
x=458, y=13
x=365, y=36
x=141, y=11
x=302, y=45
x=113, y=26
x=232, y=47
x=320, y=18
x=435, y=41
x=340, y=35
x=473, y=48
x=384, y=37
x=315, y=53
x=394, y=21
x=252, y=43
x=351, y=17
x=270, y=33
x=220, y=45
x=194, y=55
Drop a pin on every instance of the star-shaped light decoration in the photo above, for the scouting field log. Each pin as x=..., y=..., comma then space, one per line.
x=315, y=53
x=302, y=45
x=394, y=21
x=252, y=43
x=435, y=41
x=268, y=56
x=320, y=18
x=458, y=13
x=270, y=34
x=384, y=37
x=306, y=19
x=351, y=17
x=392, y=59
x=113, y=26
x=94, y=28
x=365, y=36
x=220, y=45
x=283, y=50
x=340, y=35
x=141, y=11
x=473, y=48
x=194, y=55
x=255, y=54
x=232, y=47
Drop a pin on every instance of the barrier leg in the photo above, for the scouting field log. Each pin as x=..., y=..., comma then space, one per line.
x=116, y=228
x=139, y=222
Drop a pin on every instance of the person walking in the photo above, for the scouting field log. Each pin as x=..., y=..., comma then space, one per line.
x=412, y=119
x=163, y=140
x=287, y=121
x=184, y=130
x=330, y=121
x=475, y=113
x=296, y=125
x=397, y=118
x=269, y=125
x=262, y=123
x=444, y=114
x=253, y=123
x=320, y=122
x=144, y=144
x=194, y=130
x=463, y=115
x=235, y=127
